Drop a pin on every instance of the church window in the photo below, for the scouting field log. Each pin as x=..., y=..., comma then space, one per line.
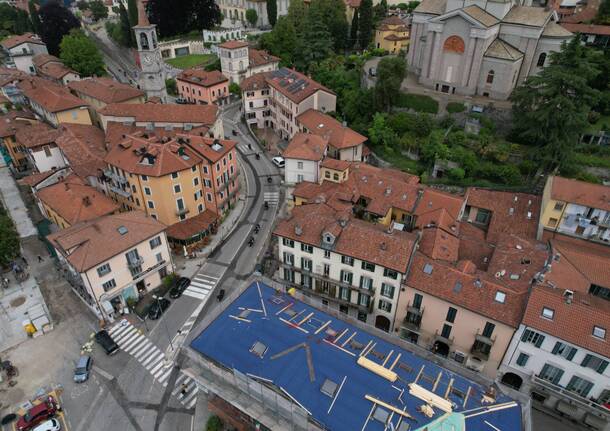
x=143, y=40
x=241, y=65
x=490, y=76
x=454, y=44
x=154, y=40
x=541, y=59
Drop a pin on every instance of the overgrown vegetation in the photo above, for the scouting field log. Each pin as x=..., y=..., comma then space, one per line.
x=79, y=53
x=9, y=238
x=455, y=107
x=191, y=60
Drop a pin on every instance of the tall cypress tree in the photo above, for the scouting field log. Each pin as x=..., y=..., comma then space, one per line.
x=34, y=16
x=125, y=25
x=132, y=9
x=366, y=23
x=272, y=11
x=353, y=31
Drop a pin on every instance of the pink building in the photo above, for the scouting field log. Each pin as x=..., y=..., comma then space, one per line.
x=200, y=86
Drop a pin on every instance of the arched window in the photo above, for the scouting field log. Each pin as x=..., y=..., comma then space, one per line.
x=541, y=59
x=454, y=44
x=143, y=41
x=154, y=40
x=490, y=76
x=241, y=65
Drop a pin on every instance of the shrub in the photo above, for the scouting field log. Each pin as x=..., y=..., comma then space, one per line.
x=214, y=424
x=456, y=174
x=234, y=89
x=418, y=102
x=171, y=86
x=455, y=107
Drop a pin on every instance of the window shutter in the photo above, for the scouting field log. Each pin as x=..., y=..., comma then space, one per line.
x=525, y=334
x=585, y=361
x=573, y=351
x=557, y=378
x=391, y=291
x=544, y=370
x=602, y=367
x=540, y=341
x=556, y=348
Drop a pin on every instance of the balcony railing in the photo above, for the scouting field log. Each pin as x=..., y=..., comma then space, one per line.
x=182, y=211
x=115, y=177
x=134, y=262
x=413, y=318
x=120, y=192
x=573, y=397
x=439, y=337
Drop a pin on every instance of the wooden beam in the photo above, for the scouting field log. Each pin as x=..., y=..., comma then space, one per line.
x=285, y=308
x=388, y=406
x=421, y=370
x=395, y=361
x=321, y=328
x=305, y=319
x=387, y=357
x=336, y=340
x=240, y=318
x=466, y=397
x=349, y=339
x=448, y=388
x=365, y=347
x=377, y=369
x=438, y=379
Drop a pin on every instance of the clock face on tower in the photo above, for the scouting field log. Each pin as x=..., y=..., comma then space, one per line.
x=147, y=59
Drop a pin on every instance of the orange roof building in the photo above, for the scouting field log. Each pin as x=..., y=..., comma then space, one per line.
x=303, y=156
x=202, y=87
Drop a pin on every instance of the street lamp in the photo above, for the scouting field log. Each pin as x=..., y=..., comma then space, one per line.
x=158, y=299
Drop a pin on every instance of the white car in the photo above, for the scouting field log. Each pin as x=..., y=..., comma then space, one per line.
x=50, y=425
x=279, y=161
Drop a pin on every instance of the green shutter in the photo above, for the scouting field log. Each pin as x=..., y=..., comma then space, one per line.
x=573, y=351
x=602, y=367
x=586, y=361
x=540, y=341
x=557, y=378
x=392, y=292
x=525, y=334
x=556, y=348
x=544, y=370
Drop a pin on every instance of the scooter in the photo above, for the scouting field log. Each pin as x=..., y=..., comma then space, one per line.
x=251, y=241
x=258, y=156
x=266, y=205
x=256, y=229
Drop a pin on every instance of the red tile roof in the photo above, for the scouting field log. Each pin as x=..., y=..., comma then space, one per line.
x=232, y=44
x=580, y=192
x=439, y=244
x=202, y=77
x=338, y=135
x=514, y=213
x=285, y=81
x=76, y=201
x=105, y=89
x=304, y=146
x=572, y=322
x=258, y=81
x=52, y=97
x=592, y=262
x=433, y=200
x=356, y=238
x=54, y=70
x=85, y=148
x=208, y=148
x=12, y=42
x=41, y=59
x=600, y=30
x=88, y=244
x=36, y=135
x=190, y=227
x=145, y=112
x=337, y=165
x=13, y=121
x=259, y=57
x=34, y=179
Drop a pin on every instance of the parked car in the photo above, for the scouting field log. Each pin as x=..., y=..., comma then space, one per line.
x=221, y=295
x=83, y=367
x=37, y=414
x=258, y=269
x=50, y=425
x=181, y=284
x=157, y=308
x=279, y=161
x=105, y=340
x=181, y=101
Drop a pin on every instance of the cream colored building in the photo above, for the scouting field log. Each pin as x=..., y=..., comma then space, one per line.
x=113, y=259
x=392, y=35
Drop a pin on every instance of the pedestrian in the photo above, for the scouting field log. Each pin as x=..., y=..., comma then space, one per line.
x=183, y=390
x=39, y=258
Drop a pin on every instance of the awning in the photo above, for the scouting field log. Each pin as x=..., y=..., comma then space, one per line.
x=193, y=226
x=566, y=408
x=595, y=421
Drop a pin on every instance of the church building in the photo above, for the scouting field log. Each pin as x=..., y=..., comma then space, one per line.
x=152, y=74
x=481, y=47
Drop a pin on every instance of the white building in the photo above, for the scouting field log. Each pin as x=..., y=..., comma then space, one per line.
x=21, y=49
x=42, y=152
x=348, y=264
x=113, y=258
x=561, y=351
x=221, y=34
x=239, y=61
x=256, y=103
x=303, y=157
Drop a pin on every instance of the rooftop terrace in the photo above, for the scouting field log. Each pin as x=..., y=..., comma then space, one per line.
x=342, y=376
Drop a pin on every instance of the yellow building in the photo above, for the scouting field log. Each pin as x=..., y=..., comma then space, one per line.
x=9, y=125
x=54, y=103
x=392, y=35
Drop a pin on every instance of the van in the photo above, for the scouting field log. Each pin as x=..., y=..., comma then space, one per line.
x=83, y=367
x=279, y=161
x=50, y=425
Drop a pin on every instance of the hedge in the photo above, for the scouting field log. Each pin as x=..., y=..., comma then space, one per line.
x=455, y=107
x=417, y=102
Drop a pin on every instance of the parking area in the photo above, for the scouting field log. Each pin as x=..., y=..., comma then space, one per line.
x=59, y=415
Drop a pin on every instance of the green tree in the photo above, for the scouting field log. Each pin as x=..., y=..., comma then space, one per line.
x=82, y=5
x=251, y=17
x=56, y=22
x=380, y=10
x=332, y=13
x=34, y=17
x=128, y=35
x=98, y=9
x=390, y=74
x=366, y=23
x=171, y=86
x=282, y=41
x=381, y=134
x=353, y=31
x=79, y=53
x=412, y=5
x=603, y=13
x=316, y=43
x=132, y=13
x=551, y=109
x=272, y=12
x=9, y=239
x=234, y=89
x=13, y=21
x=213, y=424
x=433, y=148
x=182, y=16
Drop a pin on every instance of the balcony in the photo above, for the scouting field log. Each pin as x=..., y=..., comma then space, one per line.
x=481, y=348
x=120, y=192
x=134, y=262
x=182, y=211
x=440, y=338
x=119, y=179
x=413, y=318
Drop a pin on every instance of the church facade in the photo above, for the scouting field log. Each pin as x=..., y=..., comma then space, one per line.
x=481, y=47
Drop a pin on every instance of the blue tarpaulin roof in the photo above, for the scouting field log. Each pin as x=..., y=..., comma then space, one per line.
x=280, y=322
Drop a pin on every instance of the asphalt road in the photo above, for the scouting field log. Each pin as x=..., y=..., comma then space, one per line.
x=127, y=392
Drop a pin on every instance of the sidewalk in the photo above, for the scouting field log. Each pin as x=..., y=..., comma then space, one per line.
x=11, y=200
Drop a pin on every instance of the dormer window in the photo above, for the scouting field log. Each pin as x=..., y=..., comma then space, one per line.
x=500, y=297
x=328, y=238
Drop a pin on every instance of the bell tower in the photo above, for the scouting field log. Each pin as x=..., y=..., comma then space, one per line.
x=152, y=74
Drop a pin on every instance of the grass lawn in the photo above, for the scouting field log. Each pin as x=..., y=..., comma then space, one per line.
x=191, y=60
x=601, y=124
x=399, y=161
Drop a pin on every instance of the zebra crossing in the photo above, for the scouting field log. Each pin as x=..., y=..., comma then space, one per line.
x=189, y=397
x=272, y=197
x=201, y=286
x=134, y=343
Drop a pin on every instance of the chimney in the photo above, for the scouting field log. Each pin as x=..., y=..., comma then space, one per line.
x=67, y=186
x=568, y=296
x=86, y=201
x=298, y=230
x=383, y=246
